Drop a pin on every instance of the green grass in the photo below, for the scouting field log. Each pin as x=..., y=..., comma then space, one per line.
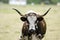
x=10, y=23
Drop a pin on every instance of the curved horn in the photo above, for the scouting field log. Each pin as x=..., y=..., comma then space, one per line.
x=46, y=12
x=17, y=11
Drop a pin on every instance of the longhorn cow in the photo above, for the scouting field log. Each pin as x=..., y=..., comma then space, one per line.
x=33, y=24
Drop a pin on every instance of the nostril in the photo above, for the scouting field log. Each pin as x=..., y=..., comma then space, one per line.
x=32, y=31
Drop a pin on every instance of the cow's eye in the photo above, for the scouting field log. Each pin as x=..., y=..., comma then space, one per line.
x=40, y=18
x=23, y=18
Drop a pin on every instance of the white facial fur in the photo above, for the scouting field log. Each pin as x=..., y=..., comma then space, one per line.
x=31, y=20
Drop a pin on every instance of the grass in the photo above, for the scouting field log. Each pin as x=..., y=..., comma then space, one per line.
x=10, y=23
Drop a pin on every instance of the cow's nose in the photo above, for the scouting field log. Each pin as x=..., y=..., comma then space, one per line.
x=31, y=31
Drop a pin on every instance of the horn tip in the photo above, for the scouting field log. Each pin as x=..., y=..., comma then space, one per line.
x=13, y=8
x=49, y=8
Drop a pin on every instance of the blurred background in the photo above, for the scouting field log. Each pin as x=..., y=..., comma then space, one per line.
x=25, y=2
x=11, y=25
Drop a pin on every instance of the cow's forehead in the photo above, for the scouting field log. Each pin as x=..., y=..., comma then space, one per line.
x=32, y=14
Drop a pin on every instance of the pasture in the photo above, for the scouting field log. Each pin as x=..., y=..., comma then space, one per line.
x=10, y=23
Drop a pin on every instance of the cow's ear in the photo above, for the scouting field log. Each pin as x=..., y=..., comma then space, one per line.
x=23, y=18
x=40, y=18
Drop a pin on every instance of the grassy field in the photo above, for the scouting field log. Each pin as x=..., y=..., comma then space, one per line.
x=10, y=23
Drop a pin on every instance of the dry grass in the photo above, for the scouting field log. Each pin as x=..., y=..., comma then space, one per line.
x=10, y=23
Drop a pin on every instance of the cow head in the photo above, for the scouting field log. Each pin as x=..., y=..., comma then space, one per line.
x=32, y=18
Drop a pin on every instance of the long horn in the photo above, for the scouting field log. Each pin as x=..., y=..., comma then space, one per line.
x=17, y=11
x=46, y=12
